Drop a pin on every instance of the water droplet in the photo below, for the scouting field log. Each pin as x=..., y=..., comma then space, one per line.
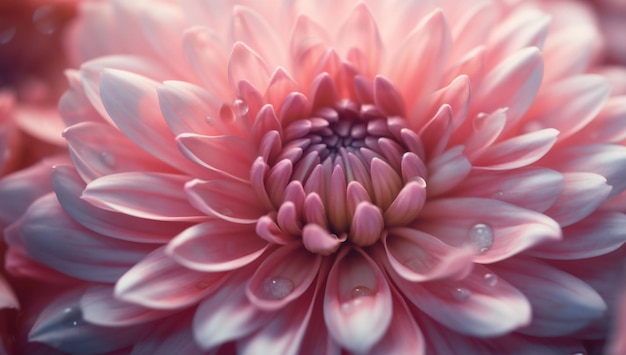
x=73, y=317
x=481, y=235
x=490, y=279
x=278, y=287
x=361, y=291
x=46, y=20
x=108, y=159
x=6, y=34
x=201, y=285
x=461, y=294
x=208, y=120
x=240, y=107
x=227, y=212
x=499, y=195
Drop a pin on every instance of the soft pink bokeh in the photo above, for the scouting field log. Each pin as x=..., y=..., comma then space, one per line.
x=386, y=177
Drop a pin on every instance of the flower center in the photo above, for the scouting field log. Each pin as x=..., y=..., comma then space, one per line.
x=343, y=174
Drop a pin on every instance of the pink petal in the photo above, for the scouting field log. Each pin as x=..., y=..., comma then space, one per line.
x=284, y=333
x=187, y=108
x=517, y=152
x=359, y=40
x=74, y=106
x=482, y=304
x=607, y=126
x=225, y=199
x=367, y=224
x=533, y=188
x=561, y=303
x=436, y=133
x=404, y=335
x=100, y=307
x=8, y=299
x=208, y=57
x=280, y=86
x=586, y=94
x=52, y=238
x=145, y=195
x=515, y=81
x=318, y=240
x=40, y=121
x=526, y=27
x=132, y=102
x=418, y=257
x=497, y=229
x=245, y=64
x=19, y=189
x=608, y=160
x=581, y=195
x=228, y=314
x=472, y=28
x=283, y=277
x=447, y=170
x=423, y=54
x=357, y=301
x=216, y=153
x=216, y=246
x=98, y=149
x=457, y=95
x=250, y=28
x=565, y=57
x=158, y=282
x=406, y=206
x=596, y=235
x=92, y=73
x=486, y=130
x=61, y=325
x=68, y=187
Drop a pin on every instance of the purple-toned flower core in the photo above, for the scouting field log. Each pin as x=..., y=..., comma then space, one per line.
x=342, y=172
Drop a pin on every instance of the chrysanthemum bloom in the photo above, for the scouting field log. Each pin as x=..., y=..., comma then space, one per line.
x=311, y=176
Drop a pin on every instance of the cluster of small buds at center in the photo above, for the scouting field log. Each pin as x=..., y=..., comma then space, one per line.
x=344, y=173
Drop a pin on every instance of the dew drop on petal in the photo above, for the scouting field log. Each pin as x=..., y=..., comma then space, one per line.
x=108, y=159
x=461, y=294
x=490, y=279
x=277, y=287
x=481, y=236
x=46, y=20
x=72, y=317
x=6, y=33
x=240, y=107
x=361, y=291
x=208, y=120
x=499, y=195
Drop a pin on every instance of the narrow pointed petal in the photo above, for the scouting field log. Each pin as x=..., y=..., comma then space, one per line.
x=158, y=282
x=608, y=160
x=533, y=188
x=216, y=246
x=497, y=229
x=8, y=299
x=406, y=206
x=475, y=305
x=404, y=335
x=357, y=302
x=144, y=195
x=224, y=199
x=517, y=152
x=283, y=277
x=228, y=314
x=360, y=41
x=596, y=235
x=52, y=238
x=208, y=57
x=100, y=307
x=98, y=149
x=245, y=64
x=61, y=325
x=250, y=28
x=68, y=188
x=561, y=303
x=133, y=104
x=436, y=133
x=581, y=195
x=515, y=81
x=418, y=257
x=447, y=171
x=216, y=153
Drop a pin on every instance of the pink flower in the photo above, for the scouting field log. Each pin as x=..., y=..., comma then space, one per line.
x=384, y=177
